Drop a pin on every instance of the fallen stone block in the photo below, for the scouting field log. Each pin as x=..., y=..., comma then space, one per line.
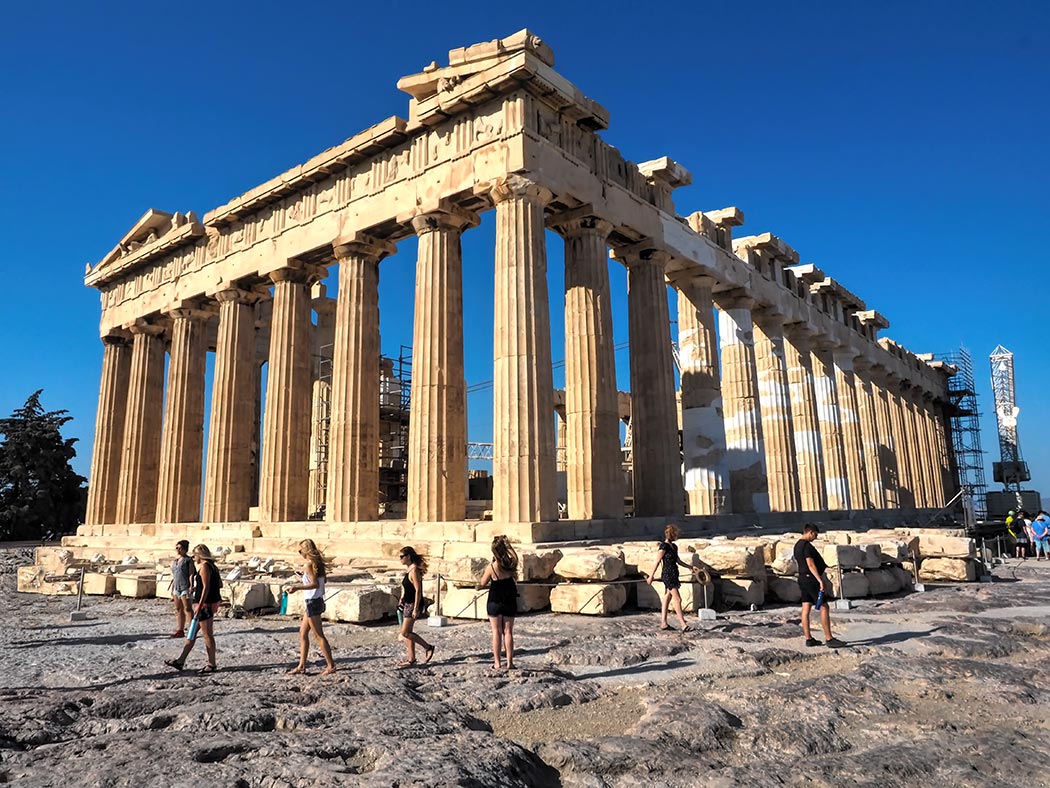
x=847, y=585
x=100, y=584
x=358, y=604
x=537, y=564
x=650, y=596
x=785, y=565
x=903, y=574
x=590, y=564
x=464, y=603
x=33, y=580
x=947, y=546
x=843, y=556
x=742, y=592
x=55, y=560
x=250, y=595
x=590, y=599
x=872, y=558
x=533, y=597
x=136, y=586
x=783, y=589
x=882, y=581
x=466, y=572
x=733, y=560
x=947, y=569
x=639, y=557
x=893, y=550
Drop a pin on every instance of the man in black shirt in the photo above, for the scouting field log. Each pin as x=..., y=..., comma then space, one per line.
x=811, y=583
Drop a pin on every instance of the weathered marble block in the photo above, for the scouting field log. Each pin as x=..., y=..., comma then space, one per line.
x=733, y=559
x=466, y=572
x=947, y=569
x=843, y=555
x=358, y=604
x=537, y=564
x=847, y=585
x=882, y=581
x=32, y=580
x=651, y=596
x=591, y=599
x=591, y=564
x=947, y=546
x=249, y=595
x=783, y=589
x=136, y=586
x=99, y=584
x=742, y=591
x=784, y=565
x=639, y=557
x=464, y=603
x=533, y=597
x=872, y=558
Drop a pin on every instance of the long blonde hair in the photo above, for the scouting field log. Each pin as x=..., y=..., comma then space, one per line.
x=318, y=564
x=503, y=554
x=201, y=551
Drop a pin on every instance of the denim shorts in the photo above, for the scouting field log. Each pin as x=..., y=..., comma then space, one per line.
x=181, y=594
x=315, y=607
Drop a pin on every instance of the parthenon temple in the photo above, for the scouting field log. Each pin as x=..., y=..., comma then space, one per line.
x=789, y=404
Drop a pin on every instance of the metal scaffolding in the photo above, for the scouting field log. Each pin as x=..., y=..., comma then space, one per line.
x=965, y=425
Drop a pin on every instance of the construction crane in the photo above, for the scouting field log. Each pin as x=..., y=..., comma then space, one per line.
x=1012, y=470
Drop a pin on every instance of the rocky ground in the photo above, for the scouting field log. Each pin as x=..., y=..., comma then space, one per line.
x=946, y=688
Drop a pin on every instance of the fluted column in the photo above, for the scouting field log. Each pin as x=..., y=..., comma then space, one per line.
x=182, y=441
x=104, y=483
x=285, y=472
x=935, y=473
x=835, y=474
x=229, y=480
x=851, y=436
x=657, y=463
x=437, y=432
x=942, y=435
x=914, y=447
x=887, y=446
x=353, y=436
x=775, y=406
x=523, y=391
x=809, y=452
x=902, y=443
x=869, y=432
x=743, y=419
x=704, y=453
x=592, y=446
x=137, y=491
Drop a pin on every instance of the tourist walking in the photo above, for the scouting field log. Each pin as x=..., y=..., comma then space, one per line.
x=181, y=570
x=411, y=607
x=314, y=573
x=1041, y=535
x=502, y=604
x=814, y=586
x=667, y=556
x=1022, y=531
x=205, y=586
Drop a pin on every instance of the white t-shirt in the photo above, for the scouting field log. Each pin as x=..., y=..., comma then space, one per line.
x=313, y=593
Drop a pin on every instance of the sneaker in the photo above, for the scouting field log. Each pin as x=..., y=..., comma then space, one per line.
x=813, y=642
x=178, y=633
x=835, y=643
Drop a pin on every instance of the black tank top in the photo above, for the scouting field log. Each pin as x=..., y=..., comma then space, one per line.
x=408, y=595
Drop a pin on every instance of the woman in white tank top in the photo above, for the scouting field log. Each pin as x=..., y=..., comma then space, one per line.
x=313, y=587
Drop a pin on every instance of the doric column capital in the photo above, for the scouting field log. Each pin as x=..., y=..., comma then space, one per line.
x=580, y=221
x=298, y=273
x=446, y=217
x=642, y=254
x=734, y=299
x=240, y=295
x=143, y=326
x=189, y=310
x=768, y=317
x=362, y=245
x=116, y=337
x=516, y=186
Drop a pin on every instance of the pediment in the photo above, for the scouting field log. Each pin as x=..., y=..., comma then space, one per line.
x=151, y=229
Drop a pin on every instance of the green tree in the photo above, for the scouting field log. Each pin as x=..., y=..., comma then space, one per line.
x=39, y=492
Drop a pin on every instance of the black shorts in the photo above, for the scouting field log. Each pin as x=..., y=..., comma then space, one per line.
x=671, y=582
x=809, y=587
x=314, y=607
x=497, y=609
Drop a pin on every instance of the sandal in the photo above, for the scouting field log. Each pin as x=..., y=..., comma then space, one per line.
x=206, y=670
x=173, y=663
x=429, y=655
x=408, y=663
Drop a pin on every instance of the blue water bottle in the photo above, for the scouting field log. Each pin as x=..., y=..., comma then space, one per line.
x=284, y=603
x=820, y=600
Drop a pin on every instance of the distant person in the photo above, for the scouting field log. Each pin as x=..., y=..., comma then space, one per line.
x=205, y=586
x=181, y=571
x=1041, y=536
x=812, y=583
x=667, y=557
x=1021, y=529
x=314, y=573
x=502, y=604
x=411, y=607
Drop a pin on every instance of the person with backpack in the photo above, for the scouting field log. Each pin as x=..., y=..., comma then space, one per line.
x=1041, y=535
x=206, y=583
x=314, y=573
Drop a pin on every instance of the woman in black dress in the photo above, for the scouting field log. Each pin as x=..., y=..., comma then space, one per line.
x=503, y=599
x=411, y=607
x=667, y=556
x=205, y=585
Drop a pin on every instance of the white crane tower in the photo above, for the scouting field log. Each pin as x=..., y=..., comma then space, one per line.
x=1012, y=470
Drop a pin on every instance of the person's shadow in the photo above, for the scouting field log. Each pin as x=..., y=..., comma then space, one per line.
x=894, y=637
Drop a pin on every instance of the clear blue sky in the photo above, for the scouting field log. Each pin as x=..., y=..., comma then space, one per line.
x=902, y=146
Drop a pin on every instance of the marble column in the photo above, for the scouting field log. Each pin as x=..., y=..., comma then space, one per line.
x=898, y=416
x=942, y=433
x=561, y=437
x=592, y=426
x=869, y=432
x=851, y=435
x=654, y=409
x=140, y=463
x=285, y=472
x=809, y=452
x=775, y=406
x=352, y=493
x=523, y=390
x=911, y=440
x=934, y=465
x=104, y=482
x=835, y=474
x=704, y=453
x=182, y=441
x=229, y=479
x=323, y=345
x=745, y=449
x=437, y=431
x=887, y=445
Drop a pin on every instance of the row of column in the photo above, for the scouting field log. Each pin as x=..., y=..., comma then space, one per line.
x=784, y=423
